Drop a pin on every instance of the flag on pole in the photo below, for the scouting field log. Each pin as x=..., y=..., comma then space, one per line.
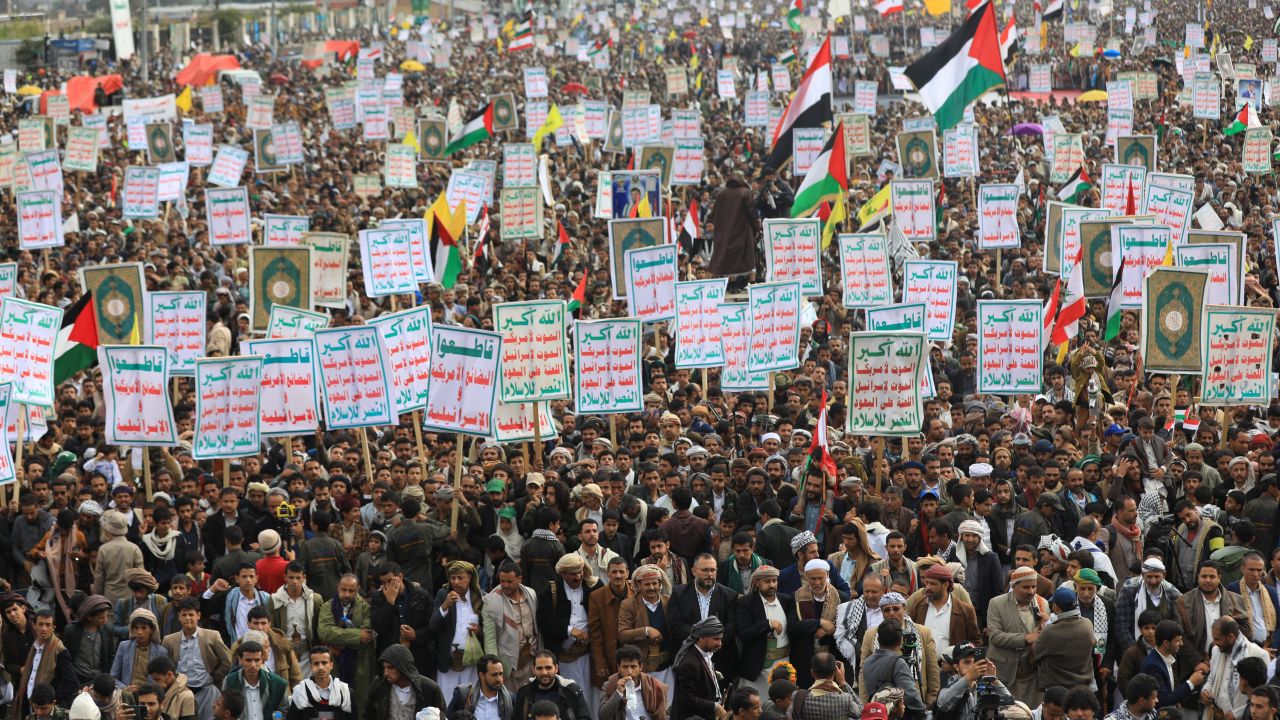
x=1073, y=304
x=553, y=122
x=809, y=107
x=478, y=129
x=793, y=15
x=1009, y=42
x=1075, y=186
x=888, y=7
x=1114, y=301
x=1053, y=10
x=1050, y=315
x=76, y=346
x=1244, y=120
x=562, y=242
x=579, y=297
x=1131, y=202
x=827, y=179
x=522, y=34
x=960, y=70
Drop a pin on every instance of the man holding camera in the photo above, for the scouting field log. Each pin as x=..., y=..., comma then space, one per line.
x=974, y=687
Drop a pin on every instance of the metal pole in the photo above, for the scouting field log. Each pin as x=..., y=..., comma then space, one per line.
x=274, y=31
x=146, y=44
x=217, y=39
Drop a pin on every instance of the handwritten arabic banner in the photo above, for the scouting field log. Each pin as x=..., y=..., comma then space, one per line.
x=793, y=251
x=651, y=274
x=606, y=357
x=290, y=397
x=406, y=336
x=39, y=219
x=932, y=282
x=884, y=385
x=697, y=323
x=418, y=246
x=535, y=363
x=1237, y=355
x=227, y=212
x=513, y=422
x=286, y=323
x=864, y=266
x=913, y=209
x=176, y=321
x=356, y=378
x=228, y=166
x=385, y=262
x=773, y=326
x=998, y=216
x=284, y=230
x=227, y=417
x=1222, y=262
x=138, y=411
x=141, y=193
x=9, y=407
x=1143, y=248
x=1009, y=350
x=464, y=380
x=328, y=268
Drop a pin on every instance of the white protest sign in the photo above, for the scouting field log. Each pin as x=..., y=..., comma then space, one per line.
x=385, y=262
x=227, y=414
x=607, y=362
x=697, y=323
x=176, y=321
x=464, y=380
x=913, y=209
x=406, y=336
x=284, y=230
x=998, y=216
x=1010, y=354
x=290, y=396
x=793, y=251
x=651, y=274
x=39, y=219
x=534, y=364
x=932, y=282
x=1236, y=349
x=138, y=412
x=355, y=379
x=885, y=383
x=864, y=267
x=228, y=166
x=227, y=212
x=773, y=321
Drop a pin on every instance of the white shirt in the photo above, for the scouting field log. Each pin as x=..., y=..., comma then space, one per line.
x=874, y=618
x=711, y=667
x=35, y=663
x=240, y=624
x=704, y=603
x=1258, y=629
x=1212, y=611
x=466, y=616
x=773, y=611
x=577, y=613
x=295, y=617
x=938, y=620
x=191, y=662
x=253, y=700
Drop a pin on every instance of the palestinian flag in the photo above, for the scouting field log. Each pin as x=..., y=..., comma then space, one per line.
x=444, y=229
x=579, y=298
x=794, y=13
x=888, y=7
x=562, y=242
x=810, y=106
x=1114, y=301
x=76, y=347
x=1009, y=42
x=522, y=34
x=1053, y=10
x=1244, y=120
x=1067, y=326
x=1050, y=315
x=787, y=57
x=478, y=129
x=827, y=179
x=597, y=47
x=960, y=70
x=1076, y=185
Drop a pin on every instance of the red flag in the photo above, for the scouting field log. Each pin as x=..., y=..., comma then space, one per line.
x=1131, y=204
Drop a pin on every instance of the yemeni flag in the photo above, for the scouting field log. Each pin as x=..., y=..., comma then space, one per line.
x=809, y=107
x=1053, y=10
x=1076, y=185
x=818, y=452
x=690, y=233
x=1245, y=119
x=888, y=7
x=1050, y=315
x=522, y=34
x=960, y=70
x=579, y=298
x=793, y=15
x=1009, y=42
x=562, y=242
x=1067, y=325
x=826, y=181
x=478, y=129
x=1113, y=302
x=76, y=347
x=482, y=247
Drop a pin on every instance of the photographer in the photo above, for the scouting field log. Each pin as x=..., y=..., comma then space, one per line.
x=976, y=692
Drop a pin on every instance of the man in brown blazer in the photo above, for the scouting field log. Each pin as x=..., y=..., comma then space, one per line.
x=603, y=607
x=642, y=622
x=962, y=625
x=208, y=665
x=1191, y=608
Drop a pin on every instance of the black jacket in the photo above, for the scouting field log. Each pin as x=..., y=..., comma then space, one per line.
x=426, y=693
x=73, y=635
x=753, y=630
x=441, y=628
x=386, y=620
x=683, y=613
x=569, y=699
x=554, y=610
x=538, y=560
x=696, y=689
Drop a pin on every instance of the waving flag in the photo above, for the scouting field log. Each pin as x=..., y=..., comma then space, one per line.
x=960, y=70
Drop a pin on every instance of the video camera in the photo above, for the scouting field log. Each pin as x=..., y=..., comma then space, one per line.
x=991, y=697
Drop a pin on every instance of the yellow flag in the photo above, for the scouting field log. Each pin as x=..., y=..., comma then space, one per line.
x=412, y=141
x=509, y=27
x=135, y=338
x=877, y=204
x=1168, y=255
x=1248, y=42
x=693, y=62
x=576, y=19
x=641, y=47
x=643, y=209
x=499, y=41
x=1075, y=51
x=671, y=35
x=550, y=125
x=697, y=82
x=183, y=101
x=1213, y=46
x=1062, y=353
x=837, y=216
x=704, y=22
x=937, y=7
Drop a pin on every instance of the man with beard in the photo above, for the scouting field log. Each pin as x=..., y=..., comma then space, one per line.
x=918, y=648
x=631, y=680
x=509, y=618
x=951, y=620
x=855, y=618
x=697, y=687
x=699, y=599
x=804, y=547
x=896, y=572
x=1197, y=538
x=642, y=621
x=1014, y=621
x=562, y=614
x=1153, y=592
x=983, y=576
x=548, y=685
x=765, y=619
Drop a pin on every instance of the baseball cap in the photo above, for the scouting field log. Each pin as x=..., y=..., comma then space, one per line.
x=875, y=711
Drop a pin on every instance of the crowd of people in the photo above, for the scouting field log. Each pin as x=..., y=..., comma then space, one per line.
x=1074, y=553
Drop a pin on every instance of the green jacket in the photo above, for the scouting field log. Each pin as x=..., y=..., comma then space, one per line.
x=347, y=640
x=274, y=689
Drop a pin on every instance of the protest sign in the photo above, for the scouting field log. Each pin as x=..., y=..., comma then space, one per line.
x=1172, y=207
x=39, y=219
x=82, y=150
x=418, y=244
x=176, y=322
x=1172, y=309
x=697, y=323
x=286, y=323
x=1222, y=263
x=284, y=230
x=534, y=355
x=864, y=267
x=1010, y=355
x=1236, y=359
x=1068, y=156
x=290, y=397
x=172, y=185
x=141, y=193
x=1137, y=150
x=960, y=152
x=228, y=166
x=913, y=209
x=519, y=165
x=535, y=82
x=607, y=363
x=1257, y=150
x=1069, y=233
x=227, y=417
x=793, y=251
x=521, y=217
x=328, y=268
x=998, y=216
x=406, y=338
x=211, y=99
x=773, y=323
x=651, y=274
x=1143, y=248
x=260, y=111
x=355, y=377
x=385, y=262
x=1206, y=96
x=28, y=332
x=401, y=166
x=227, y=212
x=917, y=154
x=885, y=379
x=807, y=146
x=735, y=340
x=932, y=282
x=864, y=97
x=464, y=380
x=118, y=306
x=8, y=279
x=1119, y=184
x=197, y=141
x=138, y=412
x=278, y=276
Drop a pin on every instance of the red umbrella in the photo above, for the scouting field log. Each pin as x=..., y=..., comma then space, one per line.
x=575, y=88
x=279, y=79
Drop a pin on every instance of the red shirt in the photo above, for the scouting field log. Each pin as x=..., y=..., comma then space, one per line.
x=271, y=573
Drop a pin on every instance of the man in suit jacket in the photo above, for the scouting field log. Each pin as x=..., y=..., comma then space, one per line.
x=773, y=542
x=765, y=639
x=455, y=619
x=1014, y=621
x=1261, y=599
x=1191, y=609
x=213, y=656
x=697, y=691
x=684, y=610
x=1159, y=664
x=642, y=621
x=603, y=608
x=963, y=623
